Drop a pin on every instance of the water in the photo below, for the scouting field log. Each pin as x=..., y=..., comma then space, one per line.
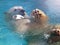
x=50, y=7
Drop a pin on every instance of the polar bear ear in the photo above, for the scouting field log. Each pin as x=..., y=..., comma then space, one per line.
x=15, y=7
x=20, y=7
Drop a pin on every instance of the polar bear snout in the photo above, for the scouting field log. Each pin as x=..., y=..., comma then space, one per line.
x=16, y=17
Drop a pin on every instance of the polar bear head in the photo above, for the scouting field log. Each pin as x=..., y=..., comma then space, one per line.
x=16, y=12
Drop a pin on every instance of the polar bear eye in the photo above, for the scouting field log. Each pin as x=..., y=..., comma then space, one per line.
x=15, y=9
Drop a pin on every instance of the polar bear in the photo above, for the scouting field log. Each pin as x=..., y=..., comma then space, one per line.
x=16, y=10
x=24, y=24
x=18, y=18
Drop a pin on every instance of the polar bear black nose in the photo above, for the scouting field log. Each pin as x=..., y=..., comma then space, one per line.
x=22, y=10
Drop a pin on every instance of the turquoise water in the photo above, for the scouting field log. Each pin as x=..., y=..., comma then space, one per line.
x=50, y=7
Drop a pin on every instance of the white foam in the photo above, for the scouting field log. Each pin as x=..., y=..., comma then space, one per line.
x=46, y=36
